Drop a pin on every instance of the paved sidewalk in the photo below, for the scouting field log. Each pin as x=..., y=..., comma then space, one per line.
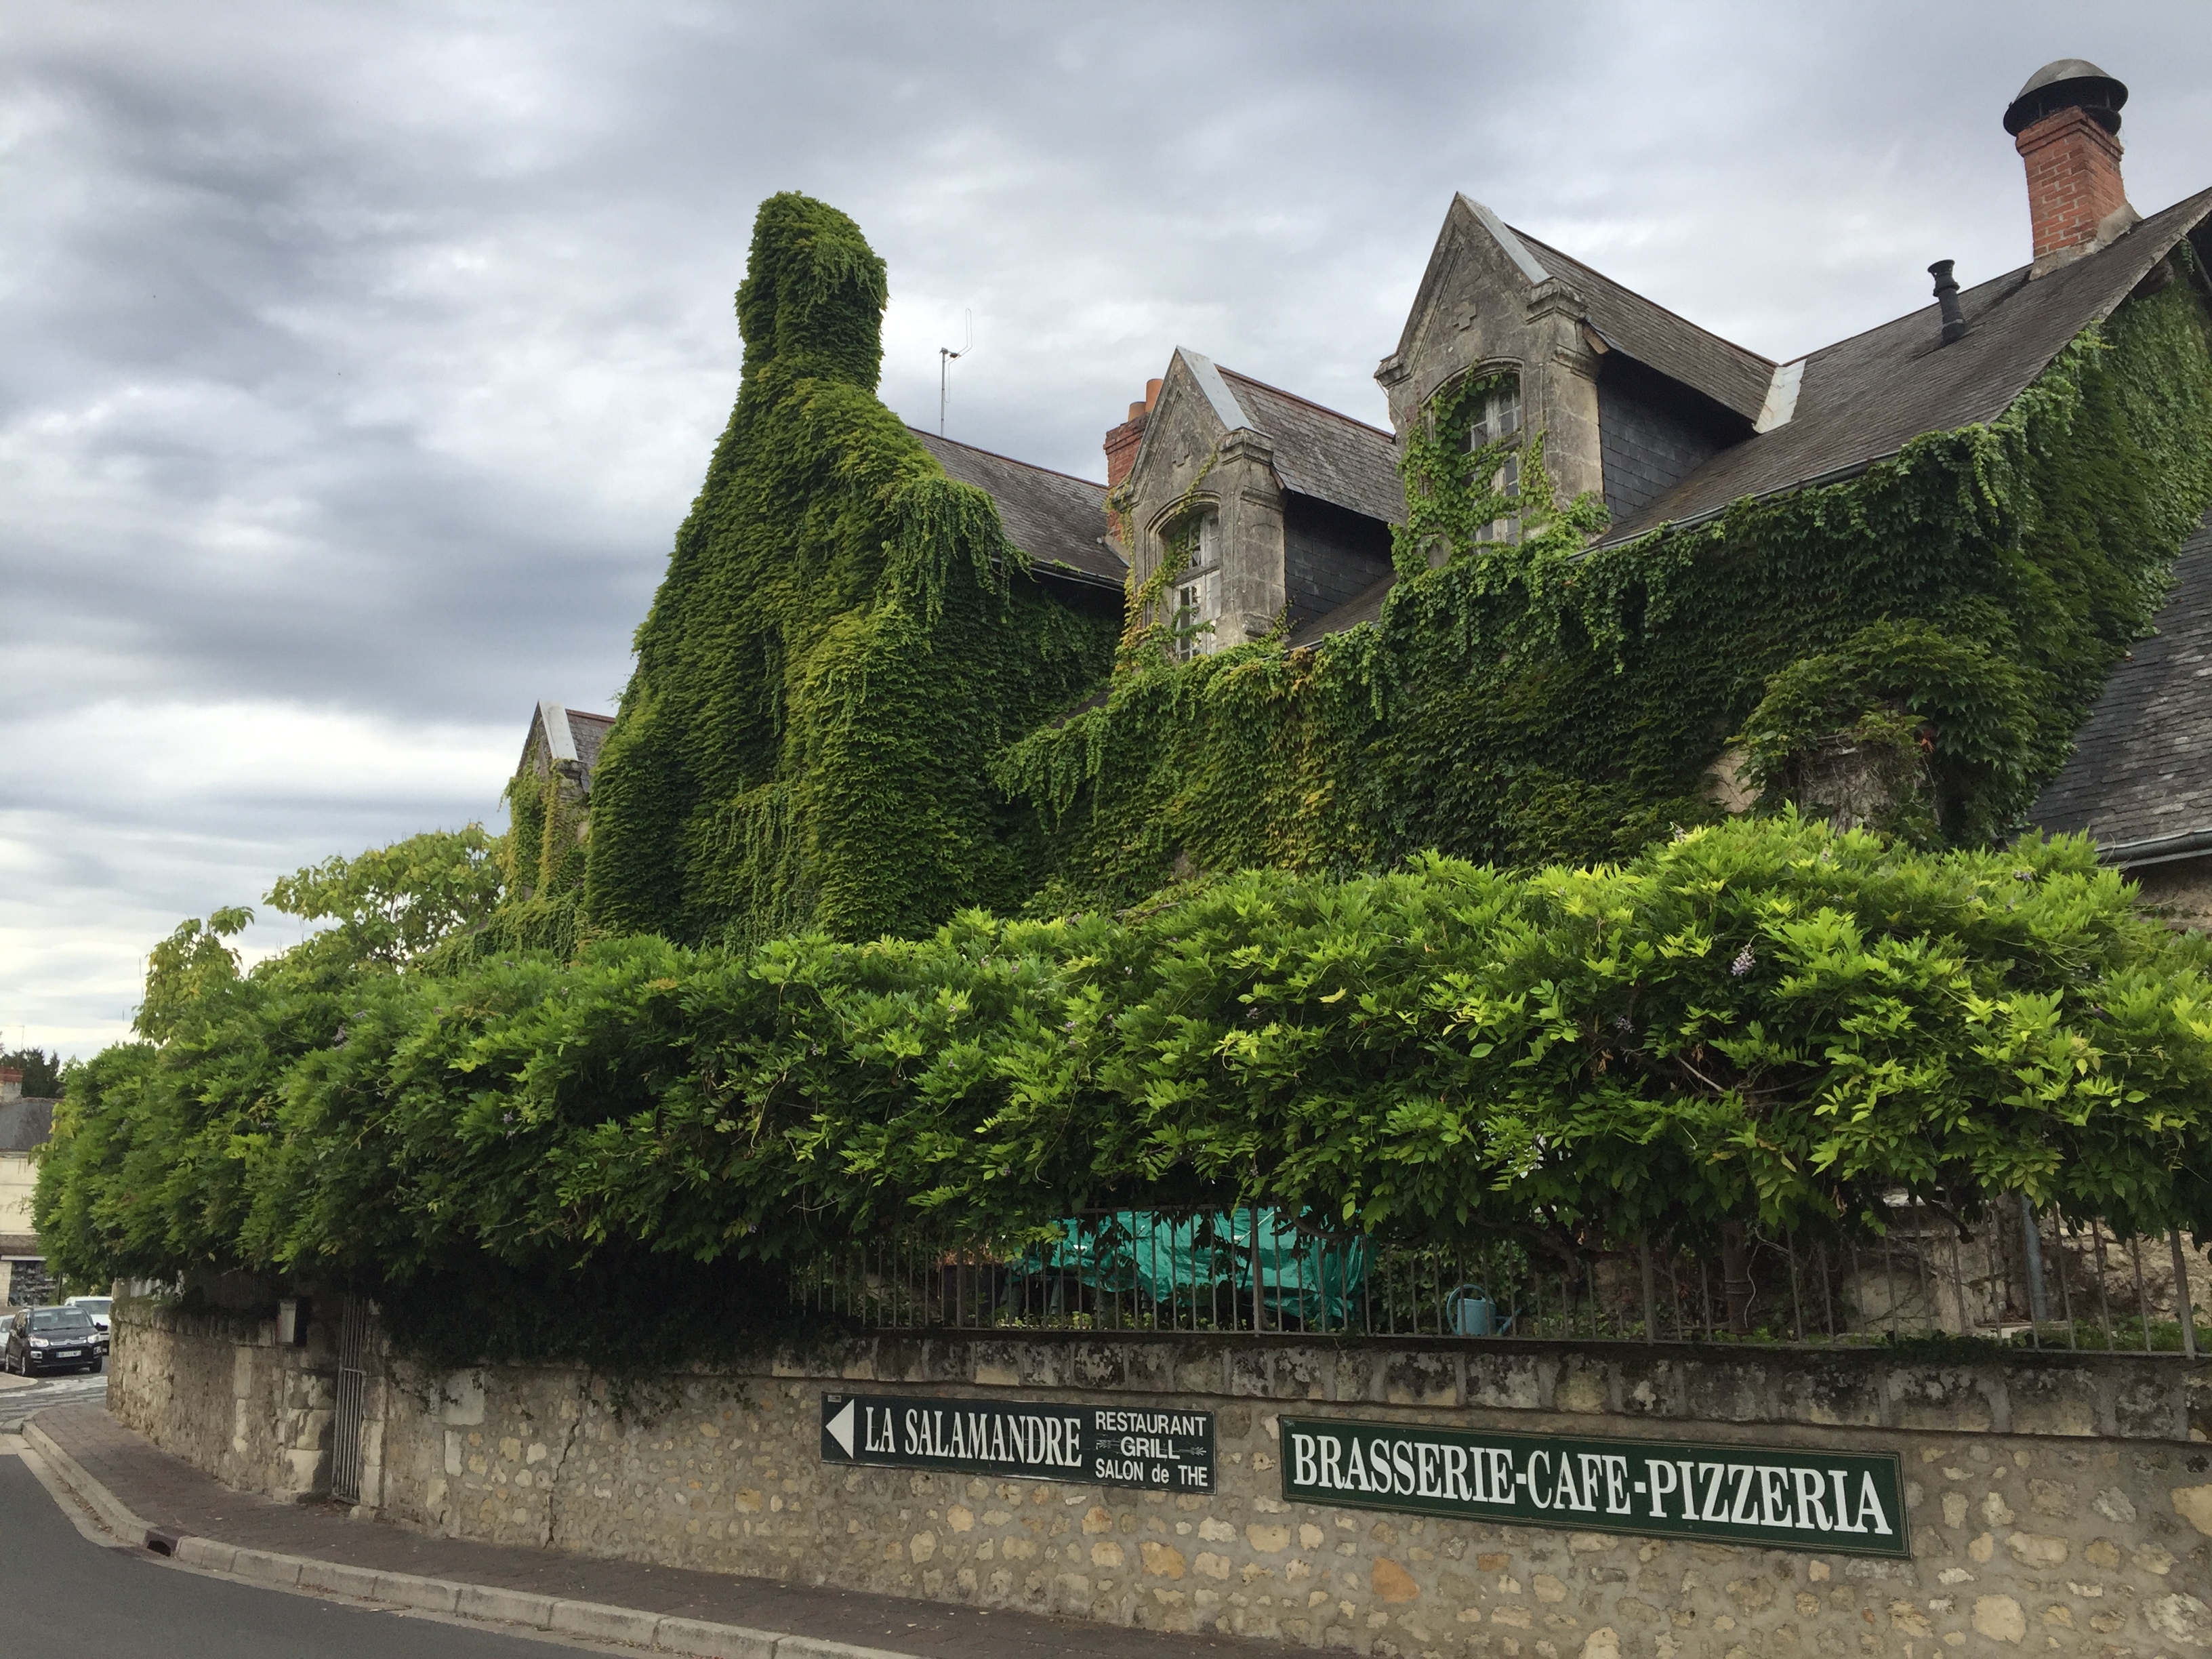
x=170, y=1493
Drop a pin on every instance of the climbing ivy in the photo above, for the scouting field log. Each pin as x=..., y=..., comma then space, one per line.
x=1938, y=626
x=843, y=638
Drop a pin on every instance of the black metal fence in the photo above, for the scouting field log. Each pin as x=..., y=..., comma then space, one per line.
x=356, y=1357
x=2006, y=1275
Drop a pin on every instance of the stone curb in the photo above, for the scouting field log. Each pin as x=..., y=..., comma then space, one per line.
x=661, y=1632
x=114, y=1513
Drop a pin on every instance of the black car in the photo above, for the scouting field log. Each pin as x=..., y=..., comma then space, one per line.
x=52, y=1339
x=101, y=1308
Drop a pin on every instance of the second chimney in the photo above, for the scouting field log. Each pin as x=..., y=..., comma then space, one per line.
x=2065, y=125
x=1947, y=299
x=1121, y=441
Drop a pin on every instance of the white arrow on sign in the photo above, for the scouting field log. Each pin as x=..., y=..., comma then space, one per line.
x=841, y=1428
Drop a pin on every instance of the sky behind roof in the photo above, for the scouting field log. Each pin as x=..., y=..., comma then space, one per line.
x=358, y=363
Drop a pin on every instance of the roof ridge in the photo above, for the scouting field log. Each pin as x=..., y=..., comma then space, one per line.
x=2019, y=271
x=2017, y=274
x=1686, y=322
x=1383, y=432
x=1011, y=460
x=1888, y=383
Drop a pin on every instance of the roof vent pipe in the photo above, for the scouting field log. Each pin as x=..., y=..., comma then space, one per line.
x=1947, y=299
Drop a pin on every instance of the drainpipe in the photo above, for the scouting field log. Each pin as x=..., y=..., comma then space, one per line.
x=2039, y=1299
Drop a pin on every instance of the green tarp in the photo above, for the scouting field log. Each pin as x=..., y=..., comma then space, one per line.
x=1315, y=1281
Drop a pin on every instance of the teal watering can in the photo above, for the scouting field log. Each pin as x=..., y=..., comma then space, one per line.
x=1468, y=1311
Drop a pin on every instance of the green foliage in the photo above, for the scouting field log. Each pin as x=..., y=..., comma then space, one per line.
x=1453, y=489
x=543, y=853
x=41, y=1070
x=392, y=903
x=1535, y=701
x=1942, y=719
x=1762, y=1019
x=843, y=638
x=184, y=969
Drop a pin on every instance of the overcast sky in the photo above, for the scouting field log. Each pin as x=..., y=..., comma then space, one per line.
x=357, y=362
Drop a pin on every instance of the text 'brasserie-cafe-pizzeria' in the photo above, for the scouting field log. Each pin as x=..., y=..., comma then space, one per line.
x=1787, y=1497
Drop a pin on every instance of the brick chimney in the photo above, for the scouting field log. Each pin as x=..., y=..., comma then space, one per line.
x=1121, y=441
x=11, y=1085
x=2066, y=124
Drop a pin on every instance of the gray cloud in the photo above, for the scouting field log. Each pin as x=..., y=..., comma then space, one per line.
x=358, y=361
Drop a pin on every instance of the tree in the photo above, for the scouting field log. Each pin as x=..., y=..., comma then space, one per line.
x=184, y=966
x=42, y=1072
x=392, y=903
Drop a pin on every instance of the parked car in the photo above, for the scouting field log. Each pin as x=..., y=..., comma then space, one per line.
x=99, y=1307
x=60, y=1339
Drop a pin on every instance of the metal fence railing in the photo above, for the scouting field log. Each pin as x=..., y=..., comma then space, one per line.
x=2006, y=1275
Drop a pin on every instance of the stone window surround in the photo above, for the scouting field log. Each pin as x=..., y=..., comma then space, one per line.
x=1206, y=512
x=1500, y=530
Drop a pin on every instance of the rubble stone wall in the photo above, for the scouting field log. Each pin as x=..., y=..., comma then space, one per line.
x=219, y=1391
x=2062, y=1504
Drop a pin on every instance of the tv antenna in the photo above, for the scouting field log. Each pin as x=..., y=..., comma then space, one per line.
x=946, y=356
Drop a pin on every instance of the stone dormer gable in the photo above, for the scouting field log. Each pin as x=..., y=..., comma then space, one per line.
x=1631, y=398
x=564, y=741
x=1276, y=507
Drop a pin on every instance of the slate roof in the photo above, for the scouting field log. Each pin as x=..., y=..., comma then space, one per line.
x=1321, y=453
x=1055, y=519
x=1732, y=375
x=2138, y=782
x=589, y=733
x=1862, y=399
x=25, y=1123
x=1367, y=607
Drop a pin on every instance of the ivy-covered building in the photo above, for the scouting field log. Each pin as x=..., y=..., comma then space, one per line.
x=1608, y=575
x=1665, y=423
x=1652, y=574
x=549, y=799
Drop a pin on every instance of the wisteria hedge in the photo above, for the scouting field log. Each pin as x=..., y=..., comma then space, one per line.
x=1763, y=1021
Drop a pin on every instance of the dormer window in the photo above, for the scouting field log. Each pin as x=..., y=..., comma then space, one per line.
x=1497, y=421
x=1194, y=597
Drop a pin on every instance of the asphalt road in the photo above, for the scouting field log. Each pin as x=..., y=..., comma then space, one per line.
x=63, y=1596
x=20, y=1398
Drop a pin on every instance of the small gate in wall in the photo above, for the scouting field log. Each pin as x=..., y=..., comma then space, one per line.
x=356, y=1351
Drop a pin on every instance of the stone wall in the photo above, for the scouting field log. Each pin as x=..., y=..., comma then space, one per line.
x=2058, y=1502
x=218, y=1390
x=2180, y=892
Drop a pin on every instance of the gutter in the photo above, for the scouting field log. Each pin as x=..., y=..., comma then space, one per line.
x=1063, y=572
x=2156, y=850
x=1834, y=476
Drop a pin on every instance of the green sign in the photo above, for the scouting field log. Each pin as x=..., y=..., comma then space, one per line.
x=1775, y=1497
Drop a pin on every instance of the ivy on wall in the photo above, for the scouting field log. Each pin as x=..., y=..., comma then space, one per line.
x=542, y=861
x=1948, y=616
x=843, y=638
